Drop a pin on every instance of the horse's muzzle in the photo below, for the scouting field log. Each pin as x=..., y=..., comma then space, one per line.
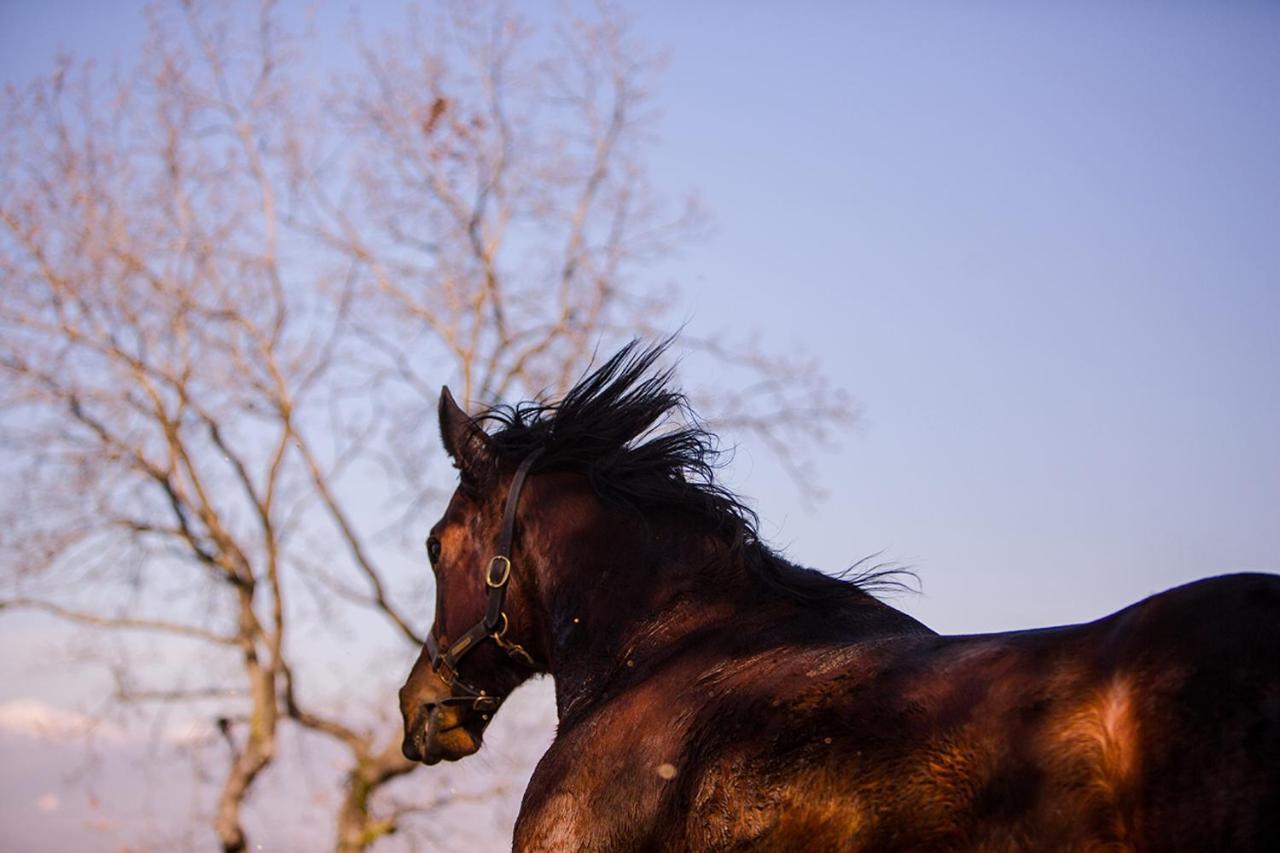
x=441, y=733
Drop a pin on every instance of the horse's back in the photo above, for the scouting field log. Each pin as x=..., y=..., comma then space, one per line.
x=1155, y=728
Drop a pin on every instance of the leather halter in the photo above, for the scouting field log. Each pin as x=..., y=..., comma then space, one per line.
x=494, y=624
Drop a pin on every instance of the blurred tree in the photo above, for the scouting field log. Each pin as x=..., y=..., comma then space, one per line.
x=230, y=296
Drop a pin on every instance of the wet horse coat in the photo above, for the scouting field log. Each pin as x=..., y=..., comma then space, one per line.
x=712, y=696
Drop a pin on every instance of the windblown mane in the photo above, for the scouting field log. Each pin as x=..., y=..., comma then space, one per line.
x=641, y=445
x=636, y=439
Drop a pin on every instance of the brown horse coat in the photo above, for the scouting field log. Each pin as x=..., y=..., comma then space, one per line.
x=712, y=696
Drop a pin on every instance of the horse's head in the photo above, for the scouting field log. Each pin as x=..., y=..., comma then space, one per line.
x=480, y=647
x=565, y=559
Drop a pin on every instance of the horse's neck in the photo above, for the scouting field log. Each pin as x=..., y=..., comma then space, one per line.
x=623, y=614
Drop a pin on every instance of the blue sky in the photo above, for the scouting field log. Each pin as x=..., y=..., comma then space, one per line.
x=1037, y=242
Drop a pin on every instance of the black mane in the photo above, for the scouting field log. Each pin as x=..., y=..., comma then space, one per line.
x=641, y=445
x=637, y=440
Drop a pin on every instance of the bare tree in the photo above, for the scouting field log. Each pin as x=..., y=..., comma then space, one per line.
x=229, y=297
x=502, y=209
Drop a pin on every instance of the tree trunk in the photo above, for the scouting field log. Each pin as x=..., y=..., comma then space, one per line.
x=260, y=743
x=357, y=827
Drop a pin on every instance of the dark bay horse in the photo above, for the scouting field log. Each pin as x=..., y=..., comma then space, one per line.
x=713, y=696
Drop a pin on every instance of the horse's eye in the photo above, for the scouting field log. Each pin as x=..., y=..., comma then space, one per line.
x=433, y=549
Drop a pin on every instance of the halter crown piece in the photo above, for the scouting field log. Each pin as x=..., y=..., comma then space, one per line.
x=494, y=624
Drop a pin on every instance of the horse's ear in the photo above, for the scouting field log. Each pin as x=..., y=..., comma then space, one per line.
x=464, y=440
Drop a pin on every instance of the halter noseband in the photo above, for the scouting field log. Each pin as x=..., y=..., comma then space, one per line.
x=494, y=624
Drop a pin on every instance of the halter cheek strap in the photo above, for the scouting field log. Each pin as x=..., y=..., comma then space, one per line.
x=494, y=624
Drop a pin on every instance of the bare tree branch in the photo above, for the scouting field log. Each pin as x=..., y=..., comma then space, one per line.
x=131, y=623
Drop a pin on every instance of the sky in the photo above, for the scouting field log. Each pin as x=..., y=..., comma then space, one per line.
x=1039, y=243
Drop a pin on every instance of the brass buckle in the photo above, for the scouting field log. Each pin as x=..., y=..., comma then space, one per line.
x=506, y=573
x=446, y=673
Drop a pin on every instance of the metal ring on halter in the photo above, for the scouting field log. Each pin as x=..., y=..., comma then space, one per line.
x=506, y=572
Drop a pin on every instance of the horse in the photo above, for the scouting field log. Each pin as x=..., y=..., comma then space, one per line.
x=713, y=696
